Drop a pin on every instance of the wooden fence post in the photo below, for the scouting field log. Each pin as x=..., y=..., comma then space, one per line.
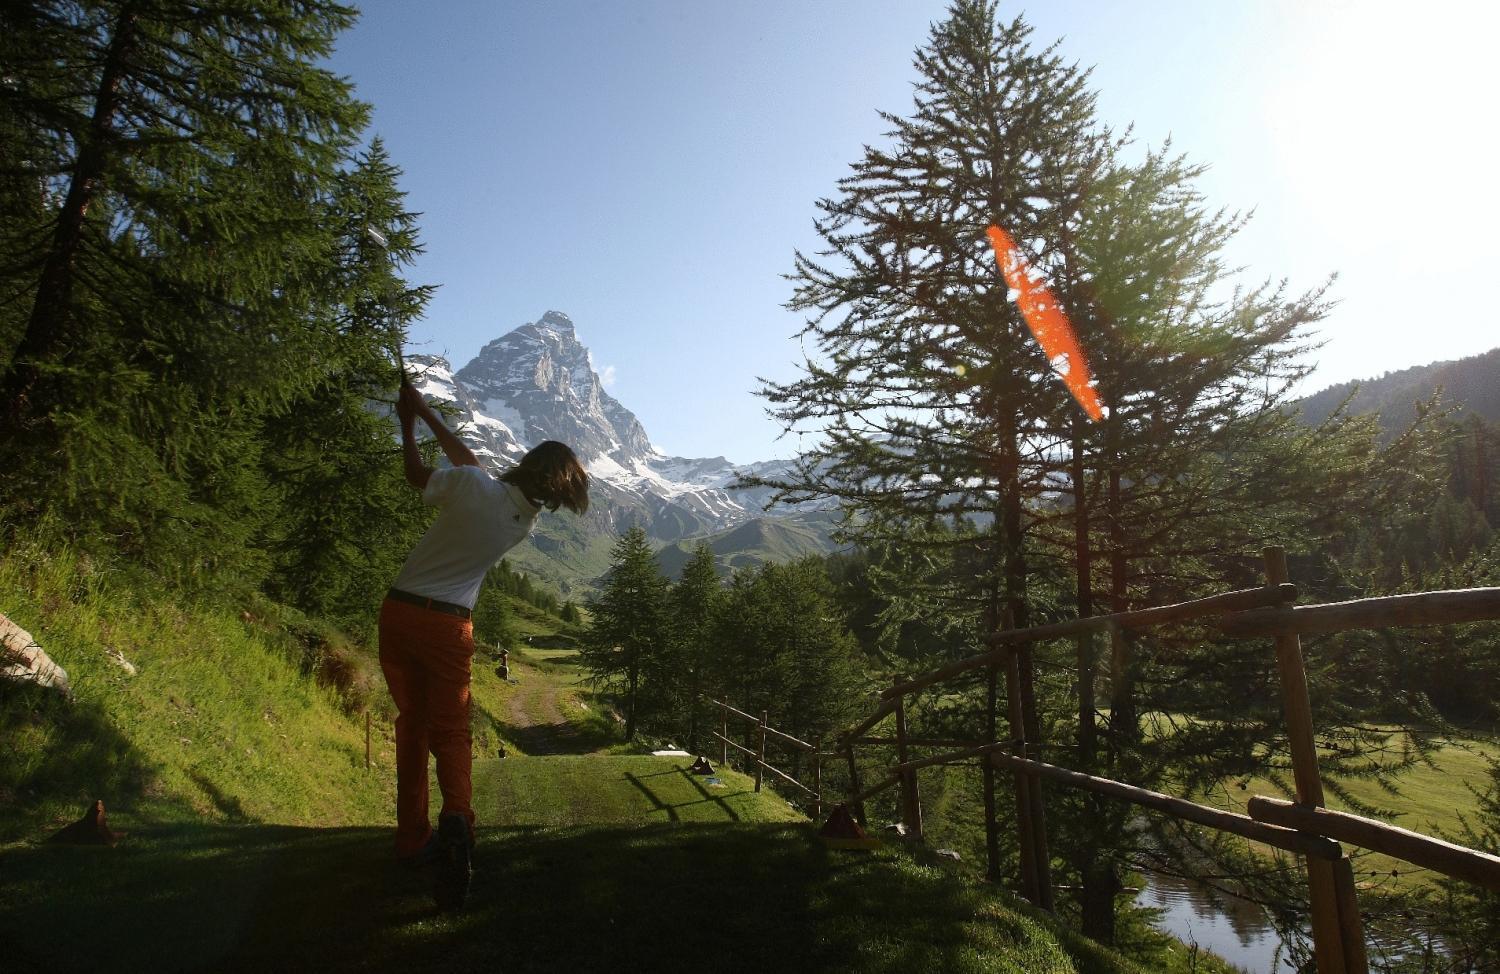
x=760, y=752
x=911, y=799
x=817, y=777
x=858, y=807
x=1338, y=935
x=724, y=735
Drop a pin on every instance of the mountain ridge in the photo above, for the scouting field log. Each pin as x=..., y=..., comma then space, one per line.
x=1470, y=385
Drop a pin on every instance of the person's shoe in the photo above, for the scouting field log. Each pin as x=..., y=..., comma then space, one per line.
x=425, y=856
x=451, y=876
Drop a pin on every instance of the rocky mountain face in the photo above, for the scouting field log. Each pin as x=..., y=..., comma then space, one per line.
x=538, y=383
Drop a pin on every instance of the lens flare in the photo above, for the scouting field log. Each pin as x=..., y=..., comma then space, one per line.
x=1049, y=326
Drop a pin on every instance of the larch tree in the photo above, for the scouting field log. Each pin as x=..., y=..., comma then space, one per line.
x=960, y=457
x=345, y=514
x=930, y=396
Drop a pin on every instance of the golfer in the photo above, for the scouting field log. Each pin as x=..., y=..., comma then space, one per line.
x=427, y=638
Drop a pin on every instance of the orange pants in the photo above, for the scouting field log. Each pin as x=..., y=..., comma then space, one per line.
x=425, y=656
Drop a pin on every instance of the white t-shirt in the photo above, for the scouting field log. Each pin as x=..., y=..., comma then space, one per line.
x=479, y=519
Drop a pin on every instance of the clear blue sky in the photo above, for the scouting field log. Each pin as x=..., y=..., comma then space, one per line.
x=649, y=166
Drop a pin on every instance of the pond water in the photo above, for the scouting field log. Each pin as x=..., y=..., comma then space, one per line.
x=1235, y=930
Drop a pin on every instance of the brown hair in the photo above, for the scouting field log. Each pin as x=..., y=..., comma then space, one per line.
x=550, y=473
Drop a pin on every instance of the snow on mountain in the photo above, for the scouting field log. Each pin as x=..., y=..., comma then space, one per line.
x=538, y=383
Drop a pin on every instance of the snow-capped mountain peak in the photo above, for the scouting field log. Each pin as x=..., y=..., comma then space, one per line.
x=537, y=382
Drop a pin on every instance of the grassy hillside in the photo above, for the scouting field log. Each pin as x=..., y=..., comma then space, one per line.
x=1430, y=798
x=567, y=552
x=754, y=543
x=232, y=716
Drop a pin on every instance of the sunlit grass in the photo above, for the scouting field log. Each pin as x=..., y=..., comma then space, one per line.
x=218, y=723
x=618, y=790
x=1433, y=798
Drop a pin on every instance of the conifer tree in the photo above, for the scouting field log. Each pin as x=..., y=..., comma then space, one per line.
x=929, y=392
x=492, y=617
x=346, y=516
x=627, y=644
x=782, y=645
x=187, y=156
x=694, y=604
x=948, y=438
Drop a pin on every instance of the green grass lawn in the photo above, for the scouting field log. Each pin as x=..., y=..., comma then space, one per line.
x=547, y=655
x=1431, y=799
x=545, y=708
x=259, y=841
x=597, y=789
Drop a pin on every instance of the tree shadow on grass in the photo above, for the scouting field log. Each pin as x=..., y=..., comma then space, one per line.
x=563, y=737
x=70, y=754
x=708, y=797
x=228, y=805
x=657, y=804
x=659, y=898
x=724, y=806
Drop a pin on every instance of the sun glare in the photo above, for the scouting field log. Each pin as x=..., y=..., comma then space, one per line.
x=1049, y=326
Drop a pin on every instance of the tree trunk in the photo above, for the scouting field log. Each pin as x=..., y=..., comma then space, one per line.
x=991, y=807
x=1122, y=716
x=49, y=322
x=1014, y=580
x=693, y=691
x=991, y=734
x=1095, y=876
x=1083, y=568
x=630, y=695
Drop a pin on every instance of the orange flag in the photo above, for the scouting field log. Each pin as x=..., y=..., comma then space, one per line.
x=1047, y=322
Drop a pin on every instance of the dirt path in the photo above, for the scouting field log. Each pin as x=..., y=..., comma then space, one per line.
x=545, y=712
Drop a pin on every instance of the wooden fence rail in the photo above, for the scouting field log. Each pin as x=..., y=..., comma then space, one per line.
x=1416, y=609
x=1303, y=827
x=765, y=733
x=1473, y=865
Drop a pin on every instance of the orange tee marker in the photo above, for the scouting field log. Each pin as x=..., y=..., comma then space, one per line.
x=1047, y=322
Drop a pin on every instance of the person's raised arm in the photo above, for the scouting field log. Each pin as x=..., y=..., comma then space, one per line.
x=407, y=403
x=453, y=448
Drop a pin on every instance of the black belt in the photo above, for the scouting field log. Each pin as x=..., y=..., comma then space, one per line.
x=452, y=608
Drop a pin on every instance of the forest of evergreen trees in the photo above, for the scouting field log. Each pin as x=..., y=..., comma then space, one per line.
x=773, y=638
x=200, y=256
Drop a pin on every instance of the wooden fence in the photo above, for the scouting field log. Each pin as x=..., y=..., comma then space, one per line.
x=1304, y=827
x=762, y=733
